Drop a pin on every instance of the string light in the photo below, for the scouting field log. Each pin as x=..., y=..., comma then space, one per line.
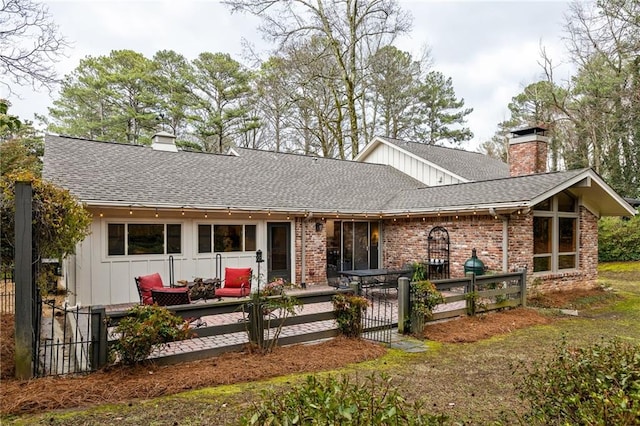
x=269, y=212
x=156, y=212
x=206, y=214
x=101, y=214
x=130, y=211
x=182, y=212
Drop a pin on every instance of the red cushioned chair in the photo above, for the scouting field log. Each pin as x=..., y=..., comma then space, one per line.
x=145, y=283
x=237, y=283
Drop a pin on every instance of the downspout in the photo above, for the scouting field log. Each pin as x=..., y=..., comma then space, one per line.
x=303, y=244
x=505, y=244
x=505, y=238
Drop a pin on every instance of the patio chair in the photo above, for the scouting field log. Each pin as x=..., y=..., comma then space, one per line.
x=145, y=283
x=236, y=283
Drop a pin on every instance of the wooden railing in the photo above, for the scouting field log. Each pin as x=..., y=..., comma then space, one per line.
x=481, y=293
x=213, y=309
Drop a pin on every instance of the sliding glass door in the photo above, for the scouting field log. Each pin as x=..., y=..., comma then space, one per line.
x=352, y=246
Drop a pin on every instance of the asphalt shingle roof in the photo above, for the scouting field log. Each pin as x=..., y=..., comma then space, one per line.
x=497, y=191
x=104, y=172
x=469, y=165
x=133, y=174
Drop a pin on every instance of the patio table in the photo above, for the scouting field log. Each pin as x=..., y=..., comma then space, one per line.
x=377, y=277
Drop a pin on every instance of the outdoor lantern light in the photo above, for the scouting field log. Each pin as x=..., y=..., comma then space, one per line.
x=318, y=226
x=259, y=258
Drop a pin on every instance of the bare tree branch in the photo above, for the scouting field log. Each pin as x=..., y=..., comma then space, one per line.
x=29, y=45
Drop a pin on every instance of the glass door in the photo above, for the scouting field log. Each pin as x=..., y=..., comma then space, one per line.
x=278, y=251
x=352, y=246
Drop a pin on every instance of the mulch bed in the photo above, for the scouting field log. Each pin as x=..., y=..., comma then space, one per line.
x=7, y=346
x=124, y=384
x=472, y=329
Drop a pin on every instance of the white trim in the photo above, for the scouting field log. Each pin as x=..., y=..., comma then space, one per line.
x=586, y=174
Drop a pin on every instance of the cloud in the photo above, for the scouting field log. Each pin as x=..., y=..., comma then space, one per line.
x=489, y=49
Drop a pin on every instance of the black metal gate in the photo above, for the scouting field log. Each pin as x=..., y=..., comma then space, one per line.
x=381, y=316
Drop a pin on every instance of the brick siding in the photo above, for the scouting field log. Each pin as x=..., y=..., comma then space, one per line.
x=405, y=241
x=526, y=158
x=315, y=253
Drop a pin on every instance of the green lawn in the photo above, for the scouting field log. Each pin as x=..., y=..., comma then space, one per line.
x=473, y=383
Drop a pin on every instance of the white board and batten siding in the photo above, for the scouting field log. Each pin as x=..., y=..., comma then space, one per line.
x=93, y=277
x=412, y=165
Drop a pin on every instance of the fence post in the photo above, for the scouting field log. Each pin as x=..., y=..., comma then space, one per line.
x=25, y=292
x=99, y=341
x=256, y=324
x=470, y=301
x=404, y=305
x=523, y=286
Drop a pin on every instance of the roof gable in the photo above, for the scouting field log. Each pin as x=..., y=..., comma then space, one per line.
x=464, y=166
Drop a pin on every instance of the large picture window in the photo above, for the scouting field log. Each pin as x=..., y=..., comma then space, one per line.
x=144, y=238
x=226, y=238
x=555, y=234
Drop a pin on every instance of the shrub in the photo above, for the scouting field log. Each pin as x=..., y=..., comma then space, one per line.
x=339, y=402
x=596, y=385
x=268, y=312
x=349, y=309
x=145, y=328
x=424, y=298
x=618, y=239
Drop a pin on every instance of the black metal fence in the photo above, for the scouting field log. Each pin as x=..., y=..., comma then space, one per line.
x=67, y=340
x=7, y=297
x=380, y=318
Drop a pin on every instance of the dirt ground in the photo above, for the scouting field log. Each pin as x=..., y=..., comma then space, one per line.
x=122, y=384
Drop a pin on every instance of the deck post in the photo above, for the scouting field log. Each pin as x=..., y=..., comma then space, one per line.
x=25, y=291
x=98, y=337
x=404, y=305
x=523, y=286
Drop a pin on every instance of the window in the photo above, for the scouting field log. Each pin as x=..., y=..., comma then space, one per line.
x=555, y=234
x=226, y=238
x=143, y=238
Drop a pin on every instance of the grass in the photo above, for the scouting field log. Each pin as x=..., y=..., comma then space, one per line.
x=473, y=383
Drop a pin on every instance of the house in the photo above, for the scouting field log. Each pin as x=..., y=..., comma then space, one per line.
x=313, y=217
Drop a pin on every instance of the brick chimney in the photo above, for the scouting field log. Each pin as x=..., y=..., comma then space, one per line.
x=528, y=151
x=164, y=141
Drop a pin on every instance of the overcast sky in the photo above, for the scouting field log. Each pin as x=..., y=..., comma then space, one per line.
x=489, y=49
